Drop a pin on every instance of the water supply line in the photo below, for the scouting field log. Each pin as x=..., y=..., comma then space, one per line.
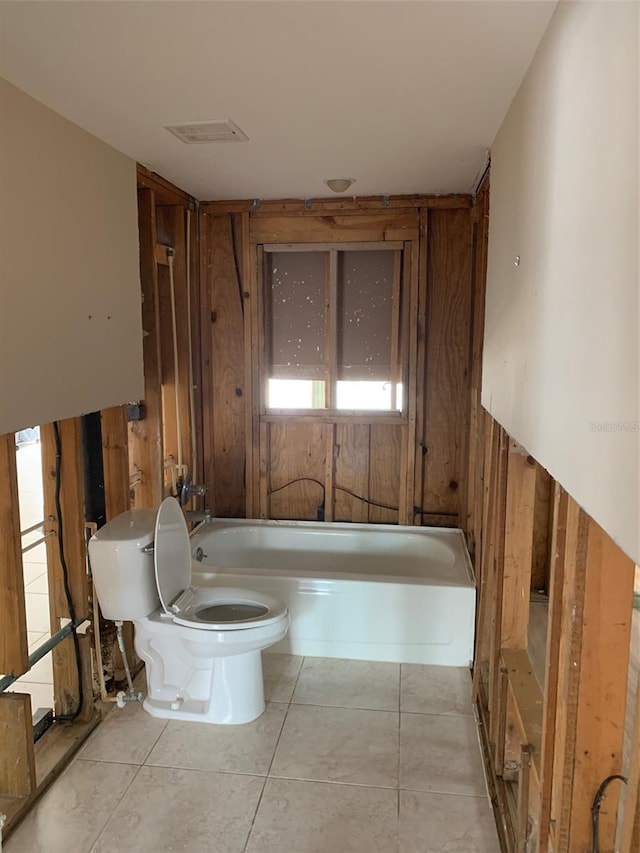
x=132, y=695
x=192, y=387
x=176, y=384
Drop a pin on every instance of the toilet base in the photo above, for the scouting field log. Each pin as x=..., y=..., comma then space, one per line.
x=235, y=693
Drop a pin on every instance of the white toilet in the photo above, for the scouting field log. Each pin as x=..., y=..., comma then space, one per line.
x=201, y=646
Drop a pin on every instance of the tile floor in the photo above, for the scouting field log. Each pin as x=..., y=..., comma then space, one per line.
x=349, y=757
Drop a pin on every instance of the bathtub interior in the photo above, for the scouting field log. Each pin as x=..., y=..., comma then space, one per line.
x=385, y=552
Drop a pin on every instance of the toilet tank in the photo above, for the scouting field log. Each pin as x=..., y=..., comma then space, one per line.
x=123, y=574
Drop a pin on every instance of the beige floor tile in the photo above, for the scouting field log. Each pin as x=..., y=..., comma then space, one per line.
x=37, y=612
x=316, y=817
x=440, y=754
x=435, y=689
x=349, y=684
x=433, y=823
x=233, y=749
x=167, y=810
x=127, y=735
x=280, y=675
x=38, y=554
x=73, y=812
x=338, y=745
x=41, y=694
x=35, y=638
x=32, y=571
x=41, y=672
x=39, y=584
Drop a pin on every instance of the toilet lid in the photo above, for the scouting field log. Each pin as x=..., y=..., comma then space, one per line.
x=171, y=553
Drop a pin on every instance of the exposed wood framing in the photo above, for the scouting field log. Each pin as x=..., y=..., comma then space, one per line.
x=146, y=450
x=65, y=671
x=115, y=460
x=630, y=832
x=603, y=665
x=344, y=206
x=117, y=492
x=473, y=481
x=549, y=747
x=17, y=762
x=14, y=655
x=518, y=548
x=436, y=263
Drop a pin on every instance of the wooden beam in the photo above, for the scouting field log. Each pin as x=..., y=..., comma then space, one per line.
x=551, y=697
x=335, y=229
x=330, y=205
x=14, y=654
x=164, y=190
x=71, y=524
x=480, y=233
x=497, y=559
x=251, y=367
x=115, y=460
x=145, y=436
x=630, y=833
x=408, y=459
x=602, y=690
x=330, y=470
x=568, y=677
x=518, y=547
x=592, y=681
x=17, y=765
x=421, y=321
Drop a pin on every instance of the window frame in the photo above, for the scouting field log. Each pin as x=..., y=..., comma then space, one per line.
x=400, y=333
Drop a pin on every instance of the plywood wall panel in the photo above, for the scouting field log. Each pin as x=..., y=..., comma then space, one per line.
x=223, y=318
x=447, y=359
x=384, y=471
x=296, y=450
x=351, y=471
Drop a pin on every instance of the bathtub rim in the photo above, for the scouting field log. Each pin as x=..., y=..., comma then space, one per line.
x=455, y=533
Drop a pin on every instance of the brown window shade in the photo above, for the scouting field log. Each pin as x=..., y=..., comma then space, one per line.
x=296, y=285
x=365, y=308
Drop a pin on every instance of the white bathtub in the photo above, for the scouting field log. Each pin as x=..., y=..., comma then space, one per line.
x=362, y=591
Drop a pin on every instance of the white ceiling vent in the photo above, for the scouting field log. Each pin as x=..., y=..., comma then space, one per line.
x=199, y=132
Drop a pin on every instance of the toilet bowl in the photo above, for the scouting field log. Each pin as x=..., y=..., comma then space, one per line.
x=201, y=645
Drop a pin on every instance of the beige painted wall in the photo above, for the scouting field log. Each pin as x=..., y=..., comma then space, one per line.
x=70, y=313
x=561, y=335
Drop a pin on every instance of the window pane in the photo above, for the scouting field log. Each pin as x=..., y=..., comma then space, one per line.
x=365, y=307
x=374, y=396
x=296, y=299
x=296, y=394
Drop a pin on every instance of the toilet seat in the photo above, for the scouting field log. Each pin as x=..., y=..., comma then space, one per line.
x=205, y=608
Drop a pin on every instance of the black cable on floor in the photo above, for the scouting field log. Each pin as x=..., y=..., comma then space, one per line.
x=66, y=718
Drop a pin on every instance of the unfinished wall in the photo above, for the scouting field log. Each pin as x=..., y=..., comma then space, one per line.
x=70, y=327
x=561, y=333
x=383, y=468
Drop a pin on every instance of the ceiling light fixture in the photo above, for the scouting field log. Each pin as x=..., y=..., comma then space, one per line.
x=339, y=185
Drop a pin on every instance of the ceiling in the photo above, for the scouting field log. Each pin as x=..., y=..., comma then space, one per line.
x=405, y=97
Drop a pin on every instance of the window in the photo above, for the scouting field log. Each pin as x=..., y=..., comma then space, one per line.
x=333, y=327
